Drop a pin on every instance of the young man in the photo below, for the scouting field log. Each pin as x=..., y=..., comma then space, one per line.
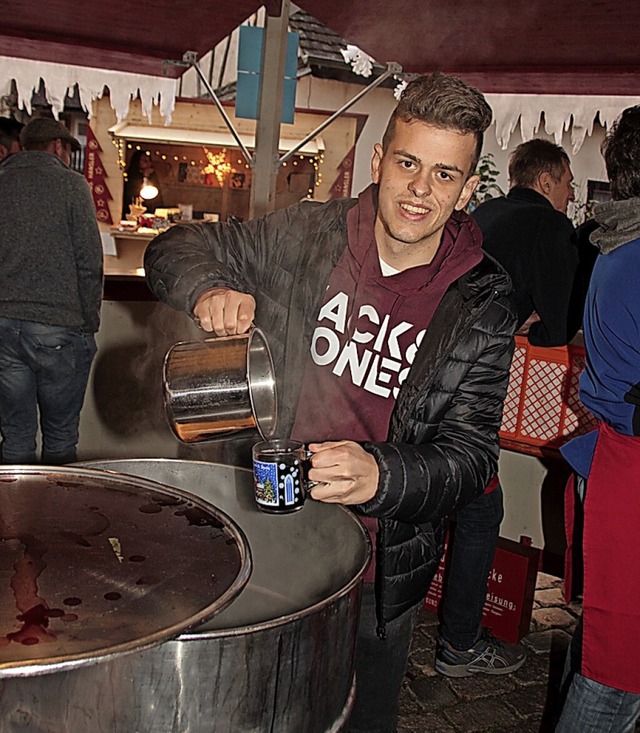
x=50, y=295
x=604, y=692
x=529, y=234
x=391, y=335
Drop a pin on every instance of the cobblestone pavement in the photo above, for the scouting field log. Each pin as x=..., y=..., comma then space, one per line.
x=523, y=702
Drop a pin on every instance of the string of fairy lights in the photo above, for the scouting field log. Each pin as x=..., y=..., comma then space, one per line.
x=214, y=165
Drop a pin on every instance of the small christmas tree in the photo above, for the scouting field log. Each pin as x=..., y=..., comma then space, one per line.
x=269, y=491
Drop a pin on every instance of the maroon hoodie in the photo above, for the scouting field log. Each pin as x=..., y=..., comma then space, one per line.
x=369, y=328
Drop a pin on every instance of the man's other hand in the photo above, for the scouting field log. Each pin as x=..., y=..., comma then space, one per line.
x=225, y=312
x=524, y=329
x=345, y=472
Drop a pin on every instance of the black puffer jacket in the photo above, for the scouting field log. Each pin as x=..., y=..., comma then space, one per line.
x=442, y=446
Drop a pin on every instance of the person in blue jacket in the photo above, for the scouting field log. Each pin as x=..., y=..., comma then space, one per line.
x=603, y=668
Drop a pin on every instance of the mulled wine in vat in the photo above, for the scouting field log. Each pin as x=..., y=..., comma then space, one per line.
x=279, y=657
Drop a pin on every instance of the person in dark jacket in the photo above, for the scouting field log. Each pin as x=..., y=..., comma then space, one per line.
x=50, y=295
x=587, y=255
x=141, y=170
x=529, y=234
x=9, y=137
x=391, y=334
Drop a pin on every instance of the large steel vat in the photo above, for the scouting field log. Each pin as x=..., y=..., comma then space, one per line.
x=279, y=659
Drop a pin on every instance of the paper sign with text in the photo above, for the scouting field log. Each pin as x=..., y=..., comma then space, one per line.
x=510, y=591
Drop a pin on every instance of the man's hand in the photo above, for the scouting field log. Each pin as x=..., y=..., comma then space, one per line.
x=524, y=329
x=345, y=472
x=225, y=312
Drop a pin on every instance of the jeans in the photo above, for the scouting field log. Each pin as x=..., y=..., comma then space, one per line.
x=43, y=369
x=473, y=548
x=380, y=667
x=591, y=707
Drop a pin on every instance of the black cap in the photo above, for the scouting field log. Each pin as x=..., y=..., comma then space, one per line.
x=44, y=130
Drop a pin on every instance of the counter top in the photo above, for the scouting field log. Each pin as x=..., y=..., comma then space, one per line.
x=137, y=234
x=124, y=257
x=122, y=267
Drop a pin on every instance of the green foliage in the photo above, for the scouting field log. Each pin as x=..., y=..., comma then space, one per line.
x=488, y=187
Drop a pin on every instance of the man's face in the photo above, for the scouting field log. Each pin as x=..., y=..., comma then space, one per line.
x=561, y=190
x=62, y=150
x=423, y=175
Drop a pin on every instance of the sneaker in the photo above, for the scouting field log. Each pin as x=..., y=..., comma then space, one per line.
x=487, y=656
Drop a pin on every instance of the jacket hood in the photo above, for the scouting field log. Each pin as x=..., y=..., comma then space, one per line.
x=619, y=223
x=460, y=248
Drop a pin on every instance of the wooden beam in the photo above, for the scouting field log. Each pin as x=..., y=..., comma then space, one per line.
x=265, y=170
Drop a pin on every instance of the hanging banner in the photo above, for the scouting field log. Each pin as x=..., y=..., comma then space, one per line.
x=341, y=187
x=95, y=175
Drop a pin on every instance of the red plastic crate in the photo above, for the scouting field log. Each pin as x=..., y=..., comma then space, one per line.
x=542, y=407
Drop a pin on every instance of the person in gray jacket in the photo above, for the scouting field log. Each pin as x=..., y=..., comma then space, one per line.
x=391, y=335
x=50, y=295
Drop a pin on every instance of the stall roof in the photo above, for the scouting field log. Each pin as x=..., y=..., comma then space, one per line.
x=537, y=46
x=177, y=136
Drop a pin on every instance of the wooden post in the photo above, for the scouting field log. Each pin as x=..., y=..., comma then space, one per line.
x=265, y=171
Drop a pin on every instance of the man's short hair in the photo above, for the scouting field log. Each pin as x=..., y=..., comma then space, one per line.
x=621, y=152
x=446, y=102
x=529, y=160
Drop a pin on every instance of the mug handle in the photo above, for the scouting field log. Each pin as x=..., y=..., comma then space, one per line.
x=311, y=484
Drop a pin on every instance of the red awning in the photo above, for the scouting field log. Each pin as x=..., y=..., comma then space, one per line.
x=532, y=47
x=538, y=46
x=119, y=34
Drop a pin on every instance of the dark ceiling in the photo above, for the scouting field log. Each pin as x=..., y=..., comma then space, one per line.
x=535, y=46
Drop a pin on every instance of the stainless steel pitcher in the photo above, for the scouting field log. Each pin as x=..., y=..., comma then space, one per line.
x=220, y=386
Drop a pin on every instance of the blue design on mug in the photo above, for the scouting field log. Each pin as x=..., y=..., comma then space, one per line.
x=289, y=495
x=278, y=484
